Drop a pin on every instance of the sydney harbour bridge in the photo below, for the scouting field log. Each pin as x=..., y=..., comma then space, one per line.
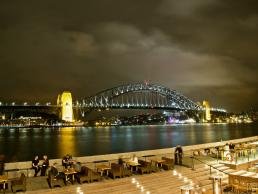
x=130, y=96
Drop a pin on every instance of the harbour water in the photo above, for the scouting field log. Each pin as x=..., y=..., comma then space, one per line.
x=22, y=144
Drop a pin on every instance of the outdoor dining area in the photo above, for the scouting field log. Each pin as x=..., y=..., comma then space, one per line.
x=238, y=162
x=243, y=181
x=78, y=172
x=151, y=166
x=231, y=153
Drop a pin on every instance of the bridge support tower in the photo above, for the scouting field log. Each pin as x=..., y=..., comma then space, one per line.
x=65, y=101
x=207, y=107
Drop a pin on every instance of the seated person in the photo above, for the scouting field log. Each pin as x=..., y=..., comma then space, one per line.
x=77, y=167
x=67, y=161
x=134, y=159
x=1, y=164
x=35, y=165
x=45, y=165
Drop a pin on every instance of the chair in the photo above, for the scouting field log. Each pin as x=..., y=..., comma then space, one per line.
x=55, y=178
x=85, y=175
x=168, y=163
x=154, y=167
x=116, y=170
x=243, y=184
x=94, y=175
x=196, y=153
x=145, y=167
x=55, y=181
x=126, y=172
x=253, y=187
x=19, y=184
x=234, y=182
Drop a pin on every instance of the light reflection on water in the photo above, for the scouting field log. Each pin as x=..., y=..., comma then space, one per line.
x=66, y=141
x=23, y=144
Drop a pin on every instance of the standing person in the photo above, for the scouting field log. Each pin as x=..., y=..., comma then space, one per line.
x=231, y=146
x=178, y=155
x=226, y=152
x=232, y=151
x=1, y=164
x=45, y=165
x=35, y=165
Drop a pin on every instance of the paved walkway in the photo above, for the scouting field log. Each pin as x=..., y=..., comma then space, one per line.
x=159, y=183
x=155, y=183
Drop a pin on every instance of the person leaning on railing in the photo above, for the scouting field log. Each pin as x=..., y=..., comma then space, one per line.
x=178, y=155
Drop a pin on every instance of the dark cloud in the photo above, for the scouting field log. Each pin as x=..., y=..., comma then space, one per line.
x=205, y=49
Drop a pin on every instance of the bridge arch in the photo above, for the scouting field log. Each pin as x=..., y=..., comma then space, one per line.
x=140, y=95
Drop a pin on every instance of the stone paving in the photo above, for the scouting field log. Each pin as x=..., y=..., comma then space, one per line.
x=160, y=183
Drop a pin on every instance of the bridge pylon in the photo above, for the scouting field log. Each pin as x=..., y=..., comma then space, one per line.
x=65, y=101
x=207, y=107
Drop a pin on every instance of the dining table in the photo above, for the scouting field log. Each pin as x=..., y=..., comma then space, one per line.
x=69, y=172
x=132, y=165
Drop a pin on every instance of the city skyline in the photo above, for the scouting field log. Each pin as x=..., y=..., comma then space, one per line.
x=207, y=50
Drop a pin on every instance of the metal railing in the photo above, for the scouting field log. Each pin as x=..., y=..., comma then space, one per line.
x=209, y=165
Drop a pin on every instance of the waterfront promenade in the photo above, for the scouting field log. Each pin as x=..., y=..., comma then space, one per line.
x=158, y=182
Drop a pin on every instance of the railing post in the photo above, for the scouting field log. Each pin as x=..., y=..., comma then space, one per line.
x=236, y=156
x=248, y=153
x=192, y=162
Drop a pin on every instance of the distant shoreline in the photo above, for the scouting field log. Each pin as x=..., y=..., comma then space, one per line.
x=39, y=126
x=82, y=125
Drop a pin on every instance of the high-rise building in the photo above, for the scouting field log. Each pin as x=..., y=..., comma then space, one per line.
x=65, y=101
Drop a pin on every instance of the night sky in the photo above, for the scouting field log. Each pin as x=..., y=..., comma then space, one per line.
x=206, y=49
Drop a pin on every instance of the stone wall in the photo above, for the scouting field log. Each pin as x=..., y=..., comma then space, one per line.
x=14, y=169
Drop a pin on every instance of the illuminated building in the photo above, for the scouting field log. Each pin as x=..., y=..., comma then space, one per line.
x=65, y=101
x=207, y=107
